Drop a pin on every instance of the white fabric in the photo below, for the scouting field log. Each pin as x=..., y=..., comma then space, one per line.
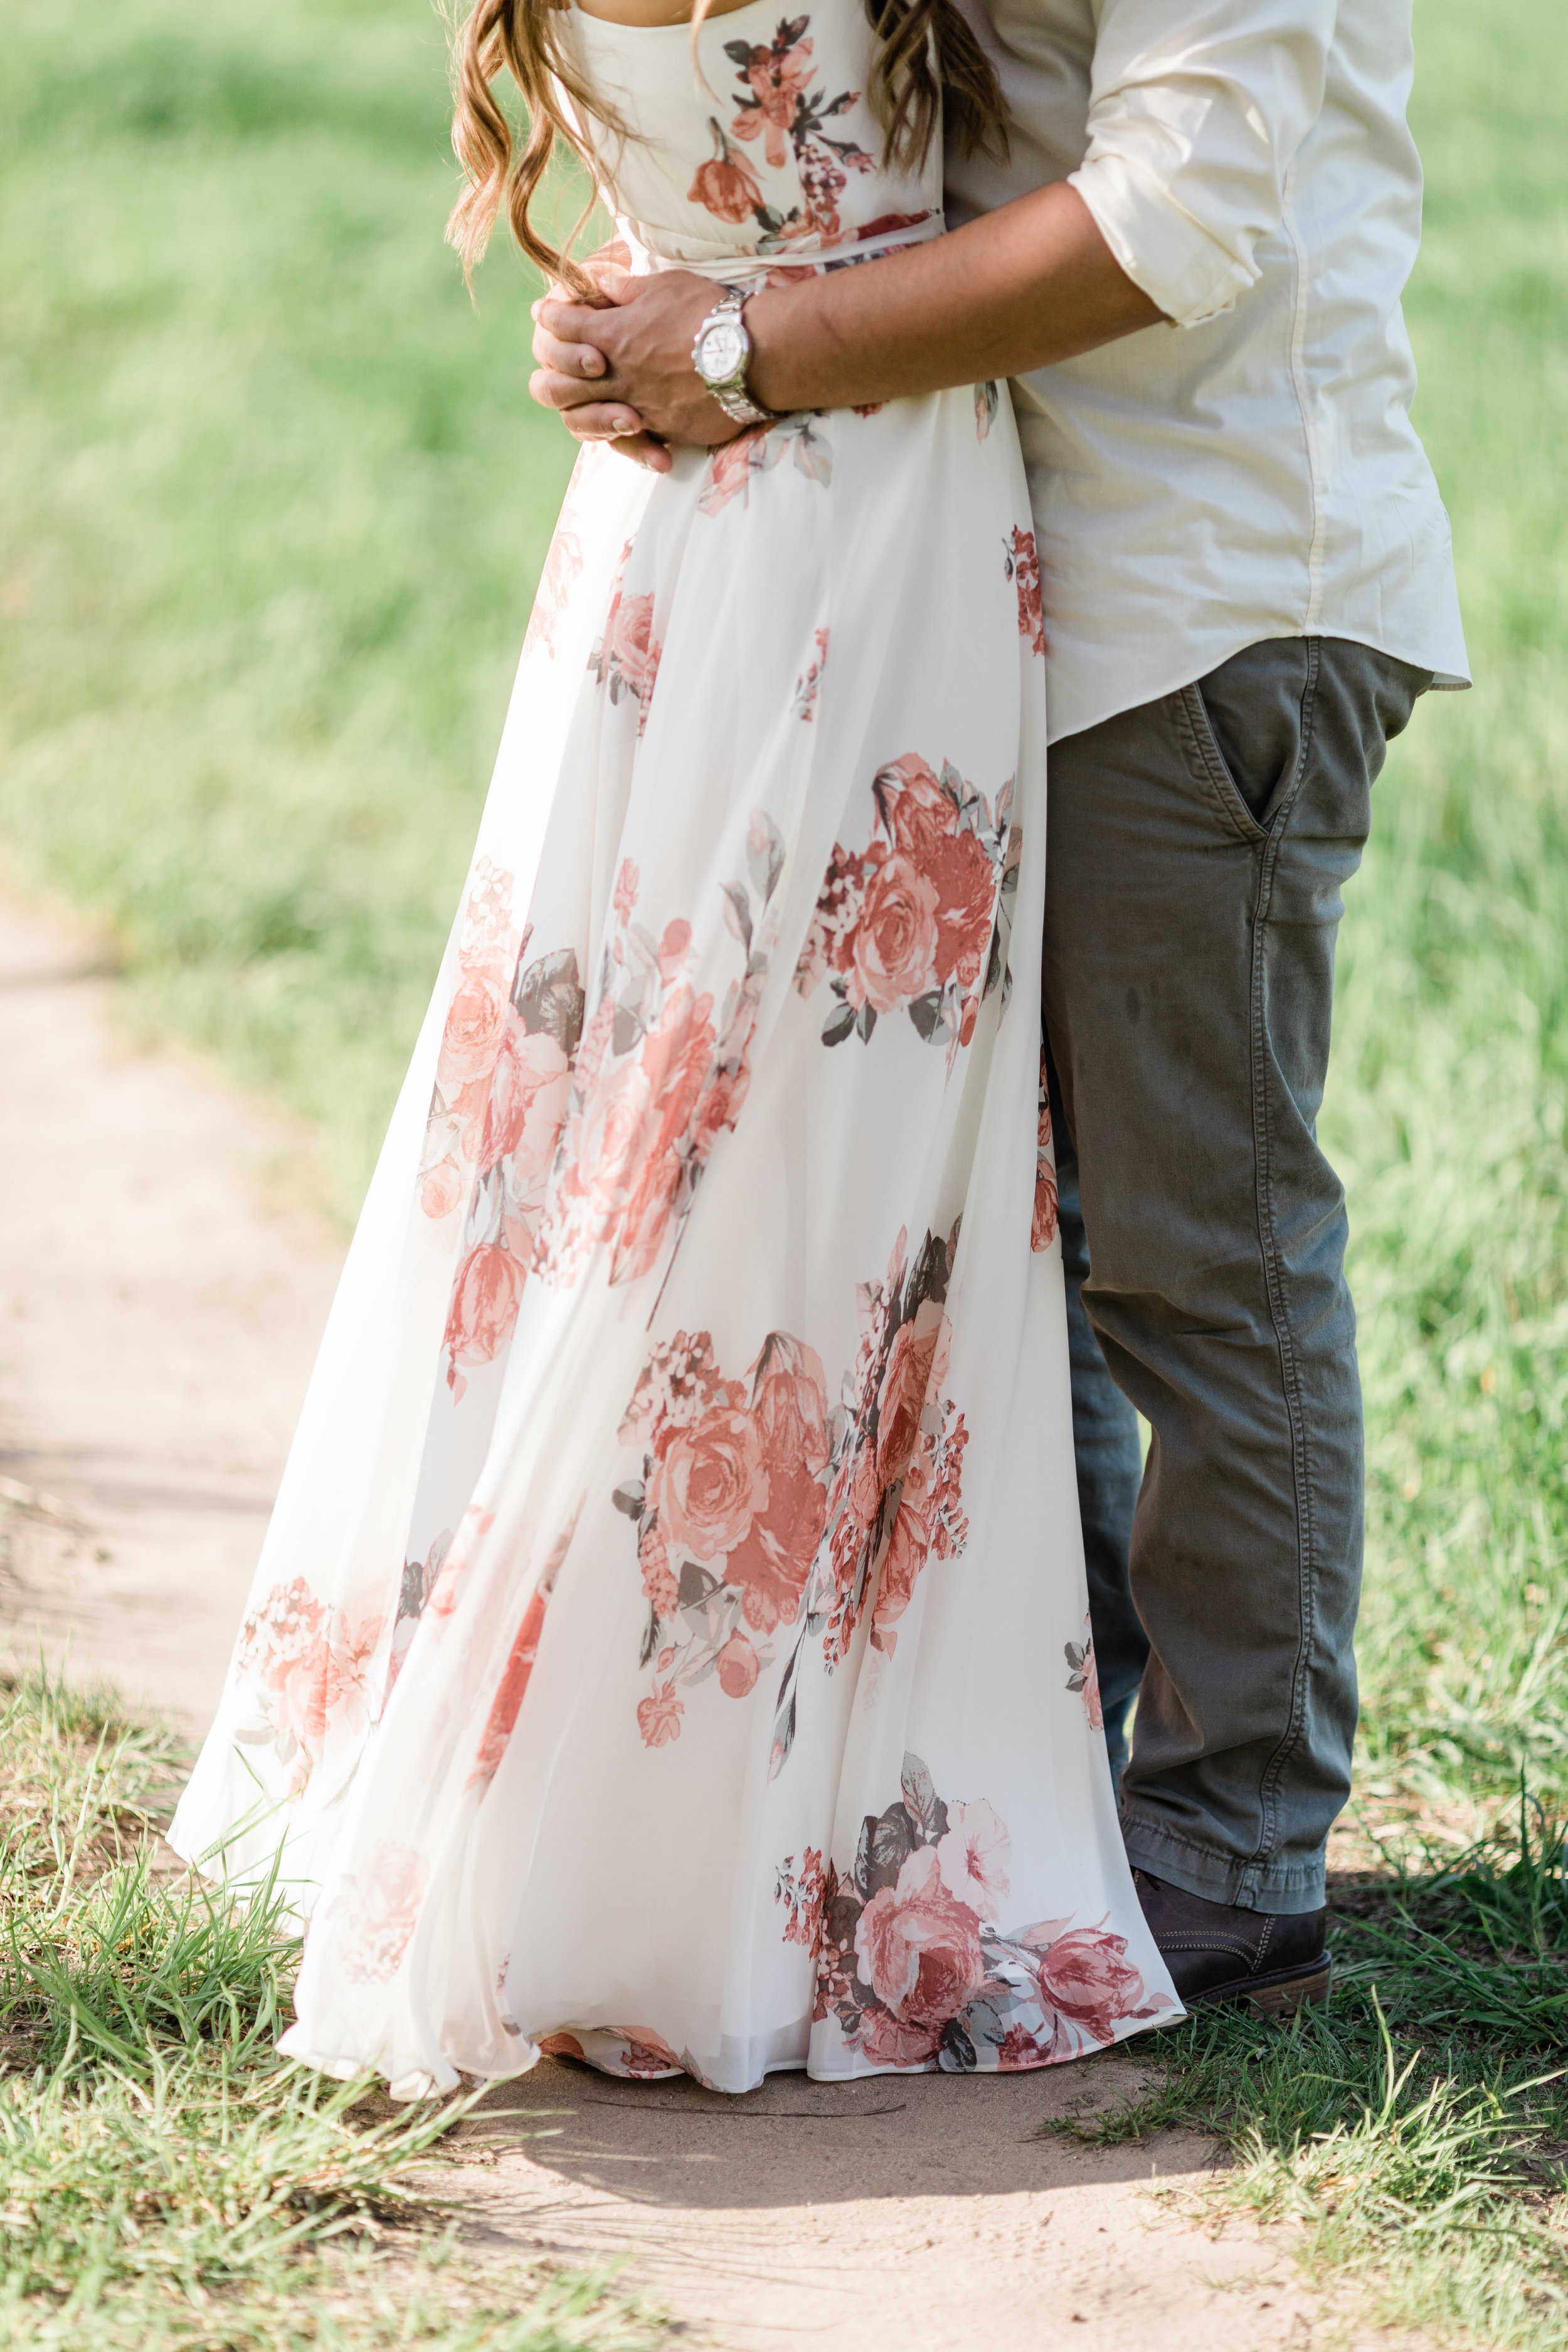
x=670, y=1643
x=1251, y=471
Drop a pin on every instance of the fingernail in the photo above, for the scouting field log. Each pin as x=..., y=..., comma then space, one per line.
x=593, y=364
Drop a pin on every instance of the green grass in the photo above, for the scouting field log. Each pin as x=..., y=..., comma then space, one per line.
x=167, y=2182
x=1414, y=2131
x=275, y=500
x=1448, y=1097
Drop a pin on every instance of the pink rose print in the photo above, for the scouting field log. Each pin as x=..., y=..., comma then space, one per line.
x=973, y=1858
x=450, y=1563
x=1043, y=1226
x=511, y=1690
x=964, y=880
x=626, y=657
x=802, y=1898
x=808, y=683
x=736, y=464
x=383, y=1912
x=509, y=1696
x=486, y=1298
x=729, y=469
x=711, y=1484
x=1022, y=565
x=728, y=1509
x=476, y=1024
x=673, y=949
x=526, y=1102
x=659, y=1716
x=887, y=225
x=739, y=1667
x=662, y=1071
x=726, y=185
x=759, y=1509
x=893, y=946
x=918, y=1946
x=914, y=1969
x=909, y=1548
x=911, y=1366
x=778, y=109
x=1020, y=2048
x=1087, y=1976
x=502, y=1084
x=561, y=567
x=916, y=921
x=779, y=76
x=889, y=2039
x=306, y=1666
x=916, y=806
x=657, y=1581
x=648, y=2053
x=441, y=1187
x=1083, y=1676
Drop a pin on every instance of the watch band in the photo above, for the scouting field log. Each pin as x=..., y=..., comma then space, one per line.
x=729, y=391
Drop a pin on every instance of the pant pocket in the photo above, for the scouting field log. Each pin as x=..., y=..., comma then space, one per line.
x=1257, y=712
x=1211, y=769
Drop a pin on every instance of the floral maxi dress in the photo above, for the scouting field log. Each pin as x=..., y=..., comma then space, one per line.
x=670, y=1647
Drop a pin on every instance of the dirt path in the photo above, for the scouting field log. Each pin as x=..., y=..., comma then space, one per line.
x=157, y=1327
x=157, y=1324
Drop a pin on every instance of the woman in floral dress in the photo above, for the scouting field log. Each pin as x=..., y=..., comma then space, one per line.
x=670, y=1647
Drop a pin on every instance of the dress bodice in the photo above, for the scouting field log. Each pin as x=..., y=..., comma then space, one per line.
x=770, y=154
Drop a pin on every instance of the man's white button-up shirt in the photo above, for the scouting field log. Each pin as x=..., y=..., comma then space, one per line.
x=1249, y=471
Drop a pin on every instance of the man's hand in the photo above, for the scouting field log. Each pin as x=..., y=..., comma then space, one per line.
x=590, y=354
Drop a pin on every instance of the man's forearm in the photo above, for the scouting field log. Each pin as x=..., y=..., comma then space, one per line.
x=1021, y=287
x=1028, y=284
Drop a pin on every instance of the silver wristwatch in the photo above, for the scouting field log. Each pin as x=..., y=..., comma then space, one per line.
x=722, y=354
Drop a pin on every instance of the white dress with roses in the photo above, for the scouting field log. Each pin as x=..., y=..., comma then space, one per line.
x=670, y=1645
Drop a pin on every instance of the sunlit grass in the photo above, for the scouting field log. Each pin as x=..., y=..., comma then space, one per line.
x=1449, y=1085
x=166, y=2179
x=275, y=501
x=1412, y=2132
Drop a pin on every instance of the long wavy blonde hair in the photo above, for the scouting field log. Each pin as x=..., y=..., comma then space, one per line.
x=927, y=67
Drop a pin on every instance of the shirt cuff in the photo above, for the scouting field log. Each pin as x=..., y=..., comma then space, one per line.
x=1187, y=273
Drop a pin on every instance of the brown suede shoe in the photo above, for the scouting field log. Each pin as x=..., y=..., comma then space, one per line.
x=1217, y=1953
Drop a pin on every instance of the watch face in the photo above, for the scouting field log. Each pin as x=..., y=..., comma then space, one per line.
x=725, y=350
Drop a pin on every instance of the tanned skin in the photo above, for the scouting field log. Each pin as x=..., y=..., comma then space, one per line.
x=1023, y=287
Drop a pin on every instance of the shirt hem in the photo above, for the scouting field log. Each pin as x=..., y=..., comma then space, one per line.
x=1121, y=700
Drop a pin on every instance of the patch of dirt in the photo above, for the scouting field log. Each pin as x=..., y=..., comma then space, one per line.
x=158, y=1319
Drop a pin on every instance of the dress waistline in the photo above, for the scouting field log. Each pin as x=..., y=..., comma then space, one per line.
x=750, y=269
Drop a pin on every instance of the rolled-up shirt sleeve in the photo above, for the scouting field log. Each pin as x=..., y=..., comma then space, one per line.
x=1195, y=112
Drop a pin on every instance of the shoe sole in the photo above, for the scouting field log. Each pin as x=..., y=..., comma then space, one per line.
x=1278, y=1995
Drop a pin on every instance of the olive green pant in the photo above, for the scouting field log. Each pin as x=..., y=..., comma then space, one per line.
x=1198, y=845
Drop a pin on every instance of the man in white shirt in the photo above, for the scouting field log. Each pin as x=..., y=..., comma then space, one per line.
x=1190, y=264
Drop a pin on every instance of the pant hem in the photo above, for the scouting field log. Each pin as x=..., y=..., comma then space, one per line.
x=1283, y=1888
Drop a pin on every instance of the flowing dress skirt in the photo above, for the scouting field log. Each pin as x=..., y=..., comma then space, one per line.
x=671, y=1646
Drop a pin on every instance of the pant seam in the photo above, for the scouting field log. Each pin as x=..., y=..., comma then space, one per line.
x=1263, y=1143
